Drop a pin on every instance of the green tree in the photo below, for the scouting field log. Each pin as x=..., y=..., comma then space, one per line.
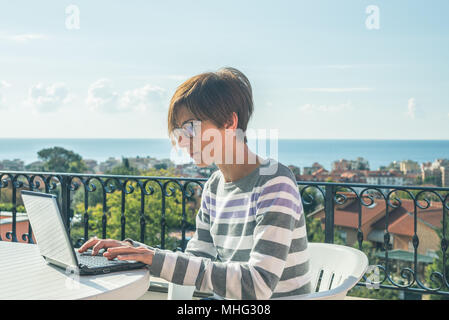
x=160, y=166
x=94, y=198
x=437, y=266
x=372, y=292
x=8, y=207
x=310, y=199
x=132, y=213
x=124, y=169
x=432, y=180
x=58, y=159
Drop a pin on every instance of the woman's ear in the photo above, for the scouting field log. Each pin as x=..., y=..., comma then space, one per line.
x=232, y=123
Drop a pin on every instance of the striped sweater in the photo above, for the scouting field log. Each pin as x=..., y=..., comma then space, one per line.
x=250, y=240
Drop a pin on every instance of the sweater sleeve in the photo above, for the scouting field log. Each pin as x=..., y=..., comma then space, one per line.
x=201, y=244
x=278, y=210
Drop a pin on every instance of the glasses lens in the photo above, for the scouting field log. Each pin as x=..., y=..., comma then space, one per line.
x=189, y=130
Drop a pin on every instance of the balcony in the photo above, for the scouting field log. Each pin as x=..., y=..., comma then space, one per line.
x=402, y=229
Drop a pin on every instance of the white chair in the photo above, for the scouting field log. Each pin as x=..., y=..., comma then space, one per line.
x=335, y=270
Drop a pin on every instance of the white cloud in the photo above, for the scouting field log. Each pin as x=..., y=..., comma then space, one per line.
x=146, y=98
x=25, y=37
x=313, y=108
x=411, y=108
x=336, y=90
x=48, y=98
x=102, y=96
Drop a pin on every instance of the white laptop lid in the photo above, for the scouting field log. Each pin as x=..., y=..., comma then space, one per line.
x=48, y=227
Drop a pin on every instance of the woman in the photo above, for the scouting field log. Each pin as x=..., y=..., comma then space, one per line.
x=250, y=240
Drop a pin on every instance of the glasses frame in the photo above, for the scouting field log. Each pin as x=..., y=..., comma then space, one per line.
x=187, y=129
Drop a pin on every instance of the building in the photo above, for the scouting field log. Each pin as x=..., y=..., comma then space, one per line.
x=320, y=172
x=444, y=177
x=436, y=171
x=411, y=179
x=92, y=165
x=309, y=170
x=142, y=163
x=341, y=165
x=109, y=164
x=380, y=177
x=352, y=177
x=320, y=175
x=12, y=165
x=400, y=225
x=22, y=225
x=409, y=166
x=296, y=171
x=350, y=165
x=35, y=166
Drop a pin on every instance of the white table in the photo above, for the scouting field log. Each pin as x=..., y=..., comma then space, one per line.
x=25, y=275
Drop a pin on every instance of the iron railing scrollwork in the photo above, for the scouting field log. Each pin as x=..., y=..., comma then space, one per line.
x=329, y=194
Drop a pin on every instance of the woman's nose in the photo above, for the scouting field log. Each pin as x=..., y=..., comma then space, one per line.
x=183, y=141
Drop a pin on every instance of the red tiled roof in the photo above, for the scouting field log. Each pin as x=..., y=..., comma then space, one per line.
x=432, y=215
x=348, y=174
x=347, y=214
x=320, y=171
x=403, y=226
x=400, y=219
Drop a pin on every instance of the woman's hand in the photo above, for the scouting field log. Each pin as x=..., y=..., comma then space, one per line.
x=140, y=254
x=98, y=244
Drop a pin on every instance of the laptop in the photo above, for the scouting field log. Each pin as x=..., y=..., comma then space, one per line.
x=54, y=242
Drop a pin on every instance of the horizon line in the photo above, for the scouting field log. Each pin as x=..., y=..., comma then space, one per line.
x=317, y=139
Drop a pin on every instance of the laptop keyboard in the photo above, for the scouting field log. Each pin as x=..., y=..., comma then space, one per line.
x=97, y=261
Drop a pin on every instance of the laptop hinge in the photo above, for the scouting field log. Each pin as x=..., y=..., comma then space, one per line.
x=60, y=264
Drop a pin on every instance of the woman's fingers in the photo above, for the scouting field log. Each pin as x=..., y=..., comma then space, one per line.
x=89, y=243
x=134, y=257
x=99, y=245
x=114, y=252
x=130, y=253
x=145, y=256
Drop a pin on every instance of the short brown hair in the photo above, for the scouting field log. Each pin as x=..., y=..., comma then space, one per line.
x=214, y=96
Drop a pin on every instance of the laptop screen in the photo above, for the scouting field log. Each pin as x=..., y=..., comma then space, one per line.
x=48, y=227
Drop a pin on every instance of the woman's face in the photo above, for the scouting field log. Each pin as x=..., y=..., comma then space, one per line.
x=208, y=141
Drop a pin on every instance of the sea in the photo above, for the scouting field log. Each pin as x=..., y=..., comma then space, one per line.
x=299, y=152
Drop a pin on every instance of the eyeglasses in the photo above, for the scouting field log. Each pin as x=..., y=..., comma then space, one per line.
x=187, y=129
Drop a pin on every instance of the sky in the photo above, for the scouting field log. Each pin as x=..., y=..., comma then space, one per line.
x=319, y=69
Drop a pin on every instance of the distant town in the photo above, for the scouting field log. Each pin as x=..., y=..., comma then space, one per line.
x=399, y=173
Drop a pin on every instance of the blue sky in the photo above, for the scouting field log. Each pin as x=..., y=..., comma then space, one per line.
x=317, y=70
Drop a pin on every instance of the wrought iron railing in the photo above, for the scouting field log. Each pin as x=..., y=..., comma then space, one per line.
x=165, y=189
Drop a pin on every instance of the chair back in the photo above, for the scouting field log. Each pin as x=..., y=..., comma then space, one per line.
x=333, y=265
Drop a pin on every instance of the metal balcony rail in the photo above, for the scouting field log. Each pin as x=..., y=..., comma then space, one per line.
x=325, y=196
